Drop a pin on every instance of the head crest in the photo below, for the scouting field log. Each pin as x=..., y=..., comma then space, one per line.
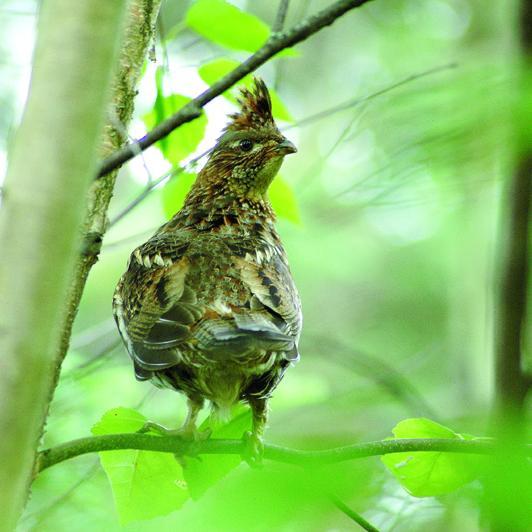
x=255, y=109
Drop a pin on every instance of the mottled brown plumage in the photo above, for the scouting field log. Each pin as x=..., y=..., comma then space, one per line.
x=207, y=306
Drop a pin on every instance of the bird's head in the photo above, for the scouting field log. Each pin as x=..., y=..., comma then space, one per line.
x=251, y=149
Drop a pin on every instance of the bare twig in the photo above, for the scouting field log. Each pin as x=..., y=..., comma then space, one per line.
x=303, y=122
x=181, y=447
x=281, y=16
x=357, y=101
x=353, y=515
x=192, y=110
x=151, y=186
x=143, y=195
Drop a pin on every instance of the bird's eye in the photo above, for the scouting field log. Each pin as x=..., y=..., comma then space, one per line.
x=246, y=145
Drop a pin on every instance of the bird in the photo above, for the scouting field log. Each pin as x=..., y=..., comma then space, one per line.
x=208, y=306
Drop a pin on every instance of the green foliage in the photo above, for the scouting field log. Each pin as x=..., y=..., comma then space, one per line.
x=184, y=140
x=427, y=474
x=201, y=474
x=212, y=71
x=228, y=26
x=225, y=24
x=175, y=192
x=284, y=201
x=145, y=484
x=149, y=484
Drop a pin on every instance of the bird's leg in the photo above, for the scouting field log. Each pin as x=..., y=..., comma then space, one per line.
x=188, y=430
x=253, y=446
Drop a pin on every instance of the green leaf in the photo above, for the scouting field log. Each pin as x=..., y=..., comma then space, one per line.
x=201, y=474
x=225, y=24
x=427, y=474
x=214, y=70
x=184, y=140
x=145, y=484
x=283, y=200
x=175, y=191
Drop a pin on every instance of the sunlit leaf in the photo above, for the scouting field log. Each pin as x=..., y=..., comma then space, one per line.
x=175, y=191
x=214, y=70
x=283, y=200
x=201, y=474
x=185, y=139
x=145, y=484
x=225, y=24
x=426, y=474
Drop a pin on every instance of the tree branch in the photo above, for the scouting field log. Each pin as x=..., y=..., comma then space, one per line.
x=192, y=110
x=180, y=447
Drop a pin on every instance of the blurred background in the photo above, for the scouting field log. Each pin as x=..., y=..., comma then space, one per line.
x=403, y=115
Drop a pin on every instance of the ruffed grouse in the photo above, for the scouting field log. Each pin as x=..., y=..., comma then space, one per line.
x=207, y=305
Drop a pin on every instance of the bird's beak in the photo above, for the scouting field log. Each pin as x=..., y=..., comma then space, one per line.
x=285, y=147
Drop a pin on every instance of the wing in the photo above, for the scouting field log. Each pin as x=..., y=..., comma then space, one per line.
x=267, y=275
x=154, y=285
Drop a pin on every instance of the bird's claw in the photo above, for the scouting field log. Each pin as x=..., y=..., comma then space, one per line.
x=188, y=432
x=253, y=449
x=151, y=426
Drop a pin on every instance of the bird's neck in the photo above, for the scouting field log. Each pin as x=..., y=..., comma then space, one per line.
x=209, y=204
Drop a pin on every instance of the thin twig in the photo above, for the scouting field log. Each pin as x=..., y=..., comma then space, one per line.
x=193, y=109
x=281, y=16
x=181, y=447
x=303, y=122
x=352, y=514
x=357, y=101
x=151, y=186
x=143, y=195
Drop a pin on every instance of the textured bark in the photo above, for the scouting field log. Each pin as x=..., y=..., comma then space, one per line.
x=139, y=29
x=51, y=166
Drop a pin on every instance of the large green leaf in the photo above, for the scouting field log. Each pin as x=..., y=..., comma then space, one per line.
x=145, y=484
x=214, y=70
x=283, y=200
x=427, y=474
x=225, y=24
x=201, y=474
x=175, y=191
x=185, y=139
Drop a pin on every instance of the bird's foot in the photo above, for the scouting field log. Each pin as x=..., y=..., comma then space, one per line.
x=186, y=432
x=189, y=434
x=253, y=449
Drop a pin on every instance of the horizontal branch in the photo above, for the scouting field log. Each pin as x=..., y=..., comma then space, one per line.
x=192, y=110
x=180, y=447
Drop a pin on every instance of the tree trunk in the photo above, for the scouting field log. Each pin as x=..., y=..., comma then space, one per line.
x=51, y=166
x=138, y=35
